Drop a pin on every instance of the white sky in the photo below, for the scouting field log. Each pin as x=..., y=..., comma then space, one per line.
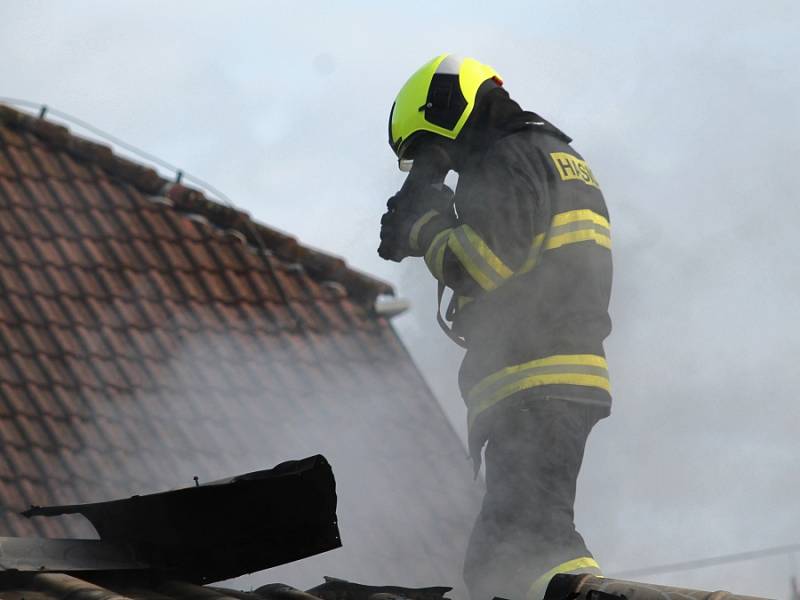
x=688, y=114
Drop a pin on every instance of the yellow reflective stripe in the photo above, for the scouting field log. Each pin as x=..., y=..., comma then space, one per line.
x=563, y=369
x=477, y=258
x=413, y=236
x=570, y=227
x=592, y=360
x=486, y=253
x=583, y=214
x=583, y=235
x=584, y=564
x=533, y=257
x=434, y=257
x=462, y=301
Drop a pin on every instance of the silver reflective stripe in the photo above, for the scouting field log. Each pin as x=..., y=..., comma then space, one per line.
x=510, y=379
x=579, y=226
x=432, y=255
x=451, y=65
x=475, y=257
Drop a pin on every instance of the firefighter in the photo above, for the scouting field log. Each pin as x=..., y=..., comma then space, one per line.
x=524, y=246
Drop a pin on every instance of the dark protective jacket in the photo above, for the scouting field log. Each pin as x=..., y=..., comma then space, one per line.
x=529, y=262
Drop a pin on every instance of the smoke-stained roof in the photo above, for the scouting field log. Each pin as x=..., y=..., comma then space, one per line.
x=146, y=338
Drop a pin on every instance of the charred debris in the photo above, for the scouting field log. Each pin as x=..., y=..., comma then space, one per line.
x=171, y=545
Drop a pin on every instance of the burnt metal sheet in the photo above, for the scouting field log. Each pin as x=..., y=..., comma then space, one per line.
x=223, y=529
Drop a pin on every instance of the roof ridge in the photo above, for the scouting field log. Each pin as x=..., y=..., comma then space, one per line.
x=360, y=286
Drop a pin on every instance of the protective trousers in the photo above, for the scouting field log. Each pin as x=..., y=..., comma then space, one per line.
x=525, y=528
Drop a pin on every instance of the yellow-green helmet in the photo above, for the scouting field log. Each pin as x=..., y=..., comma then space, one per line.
x=438, y=98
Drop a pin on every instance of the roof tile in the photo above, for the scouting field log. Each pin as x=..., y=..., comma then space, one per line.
x=39, y=195
x=158, y=226
x=10, y=435
x=11, y=281
x=78, y=465
x=102, y=404
x=11, y=193
x=10, y=225
x=14, y=502
x=57, y=225
x=108, y=227
x=83, y=224
x=22, y=310
x=92, y=342
x=216, y=288
x=22, y=161
x=120, y=343
x=13, y=339
x=50, y=466
x=96, y=254
x=146, y=345
x=72, y=251
x=6, y=168
x=241, y=287
x=176, y=256
x=33, y=432
x=50, y=166
x=166, y=285
x=90, y=283
x=200, y=255
x=36, y=281
x=141, y=286
x=122, y=252
x=134, y=374
x=13, y=136
x=52, y=311
x=59, y=374
x=66, y=195
x=191, y=285
x=116, y=195
x=77, y=310
x=34, y=251
x=188, y=229
x=147, y=256
x=228, y=252
x=62, y=282
x=5, y=469
x=43, y=401
x=130, y=313
x=7, y=256
x=31, y=223
x=76, y=169
x=34, y=368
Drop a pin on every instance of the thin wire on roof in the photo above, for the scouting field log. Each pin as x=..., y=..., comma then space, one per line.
x=711, y=561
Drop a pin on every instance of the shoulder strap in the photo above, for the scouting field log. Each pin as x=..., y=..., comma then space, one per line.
x=445, y=327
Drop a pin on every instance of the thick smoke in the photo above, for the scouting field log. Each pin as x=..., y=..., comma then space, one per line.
x=687, y=115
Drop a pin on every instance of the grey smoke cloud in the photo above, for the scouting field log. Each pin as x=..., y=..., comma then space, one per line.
x=688, y=115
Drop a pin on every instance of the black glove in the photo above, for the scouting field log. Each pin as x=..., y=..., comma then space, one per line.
x=411, y=219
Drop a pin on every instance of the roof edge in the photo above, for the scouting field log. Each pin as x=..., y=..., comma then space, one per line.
x=360, y=286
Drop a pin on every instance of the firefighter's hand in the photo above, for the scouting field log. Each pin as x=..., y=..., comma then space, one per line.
x=407, y=215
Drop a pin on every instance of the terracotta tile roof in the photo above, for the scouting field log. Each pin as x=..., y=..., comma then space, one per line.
x=145, y=338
